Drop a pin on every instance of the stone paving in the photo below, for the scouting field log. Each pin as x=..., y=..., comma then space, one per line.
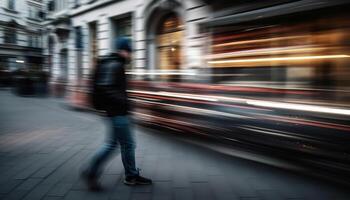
x=43, y=146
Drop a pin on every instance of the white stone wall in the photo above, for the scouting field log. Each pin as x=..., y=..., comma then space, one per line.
x=1, y=35
x=55, y=59
x=103, y=35
x=194, y=12
x=86, y=54
x=72, y=68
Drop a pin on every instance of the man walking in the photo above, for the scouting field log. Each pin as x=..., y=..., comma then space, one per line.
x=109, y=93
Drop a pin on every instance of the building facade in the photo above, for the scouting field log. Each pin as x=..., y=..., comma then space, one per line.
x=274, y=43
x=21, y=34
x=165, y=34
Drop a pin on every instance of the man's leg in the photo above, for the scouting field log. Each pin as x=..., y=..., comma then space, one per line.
x=99, y=159
x=127, y=143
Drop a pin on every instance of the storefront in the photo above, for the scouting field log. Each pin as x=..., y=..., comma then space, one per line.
x=282, y=46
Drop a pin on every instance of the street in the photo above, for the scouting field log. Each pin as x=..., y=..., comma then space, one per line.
x=44, y=145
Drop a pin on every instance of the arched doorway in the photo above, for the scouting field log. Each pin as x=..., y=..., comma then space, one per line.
x=168, y=42
x=164, y=37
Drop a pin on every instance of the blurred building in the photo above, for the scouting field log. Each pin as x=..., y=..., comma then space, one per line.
x=273, y=43
x=20, y=34
x=164, y=33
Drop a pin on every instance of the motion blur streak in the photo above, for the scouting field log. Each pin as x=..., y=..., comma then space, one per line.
x=255, y=102
x=170, y=94
x=318, y=124
x=162, y=72
x=261, y=40
x=269, y=51
x=309, y=108
x=188, y=109
x=280, y=59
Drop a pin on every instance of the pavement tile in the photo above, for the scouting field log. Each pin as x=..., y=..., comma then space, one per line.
x=163, y=170
x=20, y=165
x=9, y=186
x=183, y=194
x=16, y=195
x=60, y=189
x=161, y=198
x=141, y=196
x=142, y=189
x=162, y=189
x=52, y=198
x=270, y=195
x=202, y=191
x=110, y=181
x=43, y=172
x=33, y=168
x=259, y=184
x=76, y=195
x=221, y=188
x=121, y=192
x=29, y=184
x=103, y=195
x=37, y=193
x=242, y=188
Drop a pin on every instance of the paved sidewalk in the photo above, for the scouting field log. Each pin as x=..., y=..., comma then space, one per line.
x=43, y=146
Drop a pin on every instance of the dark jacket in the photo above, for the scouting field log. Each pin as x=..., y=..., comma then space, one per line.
x=111, y=85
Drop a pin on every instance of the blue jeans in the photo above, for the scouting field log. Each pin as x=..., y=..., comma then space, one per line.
x=119, y=135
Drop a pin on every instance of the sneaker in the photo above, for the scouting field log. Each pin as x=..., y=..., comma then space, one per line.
x=91, y=181
x=137, y=180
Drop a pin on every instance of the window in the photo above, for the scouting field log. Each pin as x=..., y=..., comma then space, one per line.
x=11, y=4
x=33, y=12
x=30, y=40
x=36, y=41
x=40, y=45
x=61, y=5
x=169, y=38
x=76, y=3
x=51, y=6
x=78, y=38
x=10, y=36
x=124, y=27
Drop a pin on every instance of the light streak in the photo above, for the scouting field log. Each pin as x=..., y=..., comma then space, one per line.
x=279, y=59
x=268, y=51
x=260, y=103
x=299, y=107
x=177, y=95
x=192, y=110
x=259, y=40
x=162, y=72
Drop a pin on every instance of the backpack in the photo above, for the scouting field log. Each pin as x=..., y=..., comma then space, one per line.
x=95, y=95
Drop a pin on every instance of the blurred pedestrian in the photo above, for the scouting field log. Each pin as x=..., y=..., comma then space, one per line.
x=109, y=94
